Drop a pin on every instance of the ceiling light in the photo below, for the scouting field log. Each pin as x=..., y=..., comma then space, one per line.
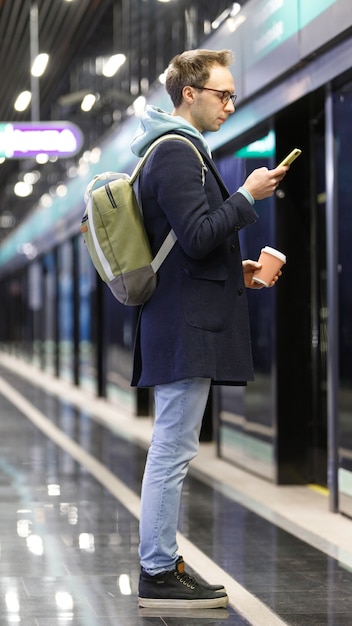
x=42, y=158
x=88, y=102
x=216, y=23
x=22, y=189
x=236, y=7
x=46, y=200
x=139, y=106
x=39, y=64
x=112, y=64
x=23, y=101
x=31, y=177
x=95, y=155
x=235, y=22
x=27, y=249
x=61, y=191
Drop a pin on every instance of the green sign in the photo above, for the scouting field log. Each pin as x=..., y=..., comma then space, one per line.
x=269, y=23
x=264, y=147
x=309, y=10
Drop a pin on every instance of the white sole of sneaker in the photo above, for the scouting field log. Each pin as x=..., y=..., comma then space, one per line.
x=213, y=603
x=218, y=613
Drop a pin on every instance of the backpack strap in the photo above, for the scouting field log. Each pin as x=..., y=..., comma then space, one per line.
x=155, y=144
x=164, y=250
x=171, y=238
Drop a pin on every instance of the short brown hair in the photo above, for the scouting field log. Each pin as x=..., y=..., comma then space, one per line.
x=193, y=68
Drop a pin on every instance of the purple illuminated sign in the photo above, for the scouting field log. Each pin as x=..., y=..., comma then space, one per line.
x=28, y=139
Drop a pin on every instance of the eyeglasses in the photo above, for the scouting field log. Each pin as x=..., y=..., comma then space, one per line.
x=224, y=97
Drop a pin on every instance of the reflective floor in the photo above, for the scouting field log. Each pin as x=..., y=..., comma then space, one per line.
x=69, y=489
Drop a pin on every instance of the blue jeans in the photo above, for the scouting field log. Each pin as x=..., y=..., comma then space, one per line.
x=179, y=409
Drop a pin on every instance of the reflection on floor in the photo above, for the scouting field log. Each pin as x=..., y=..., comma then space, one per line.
x=69, y=493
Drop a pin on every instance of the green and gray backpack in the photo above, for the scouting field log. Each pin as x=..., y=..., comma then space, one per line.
x=115, y=235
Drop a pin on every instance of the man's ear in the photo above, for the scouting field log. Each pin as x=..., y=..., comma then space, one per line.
x=188, y=94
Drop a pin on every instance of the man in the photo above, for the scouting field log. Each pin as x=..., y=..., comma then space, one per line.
x=194, y=331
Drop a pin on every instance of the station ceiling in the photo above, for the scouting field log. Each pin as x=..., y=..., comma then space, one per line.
x=74, y=34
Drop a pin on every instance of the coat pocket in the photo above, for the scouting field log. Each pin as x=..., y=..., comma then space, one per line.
x=204, y=298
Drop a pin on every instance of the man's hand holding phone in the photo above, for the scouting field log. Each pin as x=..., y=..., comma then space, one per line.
x=262, y=183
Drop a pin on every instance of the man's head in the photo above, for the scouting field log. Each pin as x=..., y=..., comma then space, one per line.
x=201, y=87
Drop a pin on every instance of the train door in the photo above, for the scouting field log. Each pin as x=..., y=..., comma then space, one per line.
x=342, y=110
x=322, y=401
x=301, y=307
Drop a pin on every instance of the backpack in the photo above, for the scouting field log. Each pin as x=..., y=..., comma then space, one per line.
x=115, y=235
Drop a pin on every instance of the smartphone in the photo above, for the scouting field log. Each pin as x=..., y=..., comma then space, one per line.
x=290, y=157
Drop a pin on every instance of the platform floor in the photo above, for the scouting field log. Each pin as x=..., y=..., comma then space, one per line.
x=70, y=474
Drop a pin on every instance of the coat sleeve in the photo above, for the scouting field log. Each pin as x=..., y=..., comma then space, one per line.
x=200, y=215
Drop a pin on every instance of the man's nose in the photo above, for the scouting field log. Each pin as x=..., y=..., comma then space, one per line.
x=230, y=107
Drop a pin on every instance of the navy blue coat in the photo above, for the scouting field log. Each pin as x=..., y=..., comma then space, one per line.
x=196, y=323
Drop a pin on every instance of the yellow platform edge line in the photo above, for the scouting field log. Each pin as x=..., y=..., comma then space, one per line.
x=319, y=489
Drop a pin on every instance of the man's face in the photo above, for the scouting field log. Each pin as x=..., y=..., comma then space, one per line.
x=208, y=112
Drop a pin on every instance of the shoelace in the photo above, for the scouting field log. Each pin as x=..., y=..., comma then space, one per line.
x=186, y=579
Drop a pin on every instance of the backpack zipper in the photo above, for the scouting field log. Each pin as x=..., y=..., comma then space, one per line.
x=110, y=196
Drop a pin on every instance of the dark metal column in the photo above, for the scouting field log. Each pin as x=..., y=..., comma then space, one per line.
x=332, y=301
x=76, y=312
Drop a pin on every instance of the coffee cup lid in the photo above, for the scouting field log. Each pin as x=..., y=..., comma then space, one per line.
x=275, y=252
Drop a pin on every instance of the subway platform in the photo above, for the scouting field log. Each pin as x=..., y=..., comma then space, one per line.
x=70, y=475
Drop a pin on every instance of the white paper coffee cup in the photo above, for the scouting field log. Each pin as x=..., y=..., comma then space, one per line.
x=272, y=261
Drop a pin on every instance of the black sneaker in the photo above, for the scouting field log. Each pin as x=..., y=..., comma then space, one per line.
x=176, y=588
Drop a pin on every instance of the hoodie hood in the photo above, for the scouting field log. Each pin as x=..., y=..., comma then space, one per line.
x=156, y=122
